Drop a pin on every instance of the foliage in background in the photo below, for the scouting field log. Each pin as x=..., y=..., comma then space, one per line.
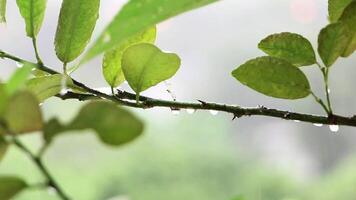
x=130, y=54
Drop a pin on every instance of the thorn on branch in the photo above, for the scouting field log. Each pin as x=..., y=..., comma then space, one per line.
x=202, y=102
x=236, y=116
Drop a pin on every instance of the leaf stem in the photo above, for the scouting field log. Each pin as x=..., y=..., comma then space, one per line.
x=325, y=72
x=35, y=47
x=38, y=162
x=321, y=102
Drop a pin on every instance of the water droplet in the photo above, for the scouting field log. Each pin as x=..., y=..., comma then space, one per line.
x=64, y=88
x=214, y=112
x=176, y=112
x=19, y=64
x=329, y=91
x=318, y=125
x=334, y=128
x=297, y=121
x=107, y=37
x=190, y=111
x=51, y=191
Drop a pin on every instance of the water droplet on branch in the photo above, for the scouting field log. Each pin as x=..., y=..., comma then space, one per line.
x=214, y=112
x=334, y=128
x=318, y=125
x=19, y=64
x=190, y=111
x=175, y=112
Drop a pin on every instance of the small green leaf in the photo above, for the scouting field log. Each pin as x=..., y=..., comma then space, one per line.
x=3, y=147
x=18, y=79
x=45, y=87
x=336, y=8
x=145, y=65
x=23, y=114
x=75, y=26
x=33, y=12
x=10, y=186
x=137, y=16
x=349, y=19
x=332, y=43
x=112, y=59
x=113, y=125
x=289, y=46
x=273, y=77
x=2, y=11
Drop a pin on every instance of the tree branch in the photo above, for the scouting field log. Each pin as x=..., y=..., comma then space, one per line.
x=38, y=162
x=128, y=99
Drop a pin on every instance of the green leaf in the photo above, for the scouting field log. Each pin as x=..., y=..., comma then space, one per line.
x=289, y=46
x=10, y=186
x=137, y=16
x=332, y=43
x=145, y=65
x=336, y=8
x=33, y=12
x=18, y=79
x=112, y=59
x=75, y=26
x=45, y=87
x=273, y=77
x=3, y=147
x=2, y=11
x=113, y=125
x=349, y=19
x=23, y=114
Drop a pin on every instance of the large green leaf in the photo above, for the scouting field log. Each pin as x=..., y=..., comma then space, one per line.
x=112, y=59
x=349, y=19
x=289, y=46
x=33, y=12
x=2, y=11
x=22, y=114
x=332, y=43
x=10, y=186
x=273, y=77
x=145, y=65
x=75, y=26
x=137, y=16
x=336, y=8
x=45, y=87
x=3, y=147
x=113, y=125
x=18, y=79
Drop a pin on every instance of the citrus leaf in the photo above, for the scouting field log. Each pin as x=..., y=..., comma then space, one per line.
x=33, y=12
x=23, y=114
x=137, y=16
x=332, y=43
x=3, y=147
x=18, y=79
x=76, y=23
x=45, y=87
x=145, y=65
x=2, y=11
x=112, y=59
x=114, y=125
x=10, y=186
x=349, y=19
x=336, y=8
x=273, y=77
x=289, y=46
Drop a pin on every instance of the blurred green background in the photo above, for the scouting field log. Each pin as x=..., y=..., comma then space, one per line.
x=200, y=156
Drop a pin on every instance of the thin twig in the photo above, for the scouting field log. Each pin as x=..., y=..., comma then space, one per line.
x=38, y=162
